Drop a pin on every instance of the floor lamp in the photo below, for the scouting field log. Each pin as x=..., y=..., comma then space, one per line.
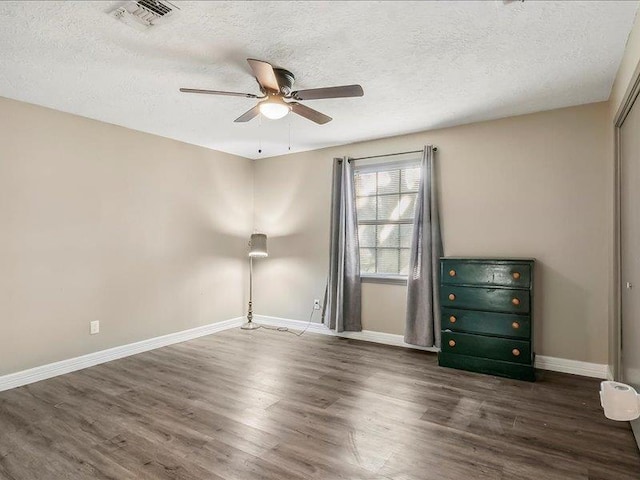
x=257, y=248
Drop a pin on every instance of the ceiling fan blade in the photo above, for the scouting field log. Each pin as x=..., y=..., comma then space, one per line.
x=329, y=92
x=264, y=74
x=309, y=113
x=218, y=92
x=249, y=115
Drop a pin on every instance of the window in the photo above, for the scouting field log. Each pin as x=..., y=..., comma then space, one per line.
x=385, y=202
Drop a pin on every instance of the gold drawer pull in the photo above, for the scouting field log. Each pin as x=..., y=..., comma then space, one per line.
x=515, y=301
x=516, y=275
x=516, y=352
x=452, y=297
x=452, y=273
x=515, y=325
x=452, y=343
x=452, y=319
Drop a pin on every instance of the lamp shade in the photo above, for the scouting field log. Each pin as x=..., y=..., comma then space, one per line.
x=258, y=245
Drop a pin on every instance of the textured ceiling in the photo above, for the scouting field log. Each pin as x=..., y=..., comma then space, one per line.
x=423, y=65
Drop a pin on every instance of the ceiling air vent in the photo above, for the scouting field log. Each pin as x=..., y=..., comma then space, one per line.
x=144, y=14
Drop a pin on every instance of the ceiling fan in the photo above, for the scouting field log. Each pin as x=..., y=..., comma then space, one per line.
x=276, y=88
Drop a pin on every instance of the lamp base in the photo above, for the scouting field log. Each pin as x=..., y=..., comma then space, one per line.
x=250, y=326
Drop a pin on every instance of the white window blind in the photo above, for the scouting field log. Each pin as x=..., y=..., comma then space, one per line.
x=385, y=201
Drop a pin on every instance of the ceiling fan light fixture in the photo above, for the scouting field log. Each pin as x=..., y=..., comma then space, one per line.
x=274, y=108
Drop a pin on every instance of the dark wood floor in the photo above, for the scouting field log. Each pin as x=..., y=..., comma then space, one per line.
x=266, y=405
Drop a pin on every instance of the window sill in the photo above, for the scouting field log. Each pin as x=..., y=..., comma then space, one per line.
x=386, y=279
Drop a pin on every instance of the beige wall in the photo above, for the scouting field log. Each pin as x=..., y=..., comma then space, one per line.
x=534, y=185
x=148, y=235
x=621, y=85
x=98, y=222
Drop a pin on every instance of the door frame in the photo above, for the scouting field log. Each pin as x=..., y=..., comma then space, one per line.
x=630, y=97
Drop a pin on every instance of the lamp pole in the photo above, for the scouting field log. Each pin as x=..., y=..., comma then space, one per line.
x=257, y=247
x=250, y=312
x=249, y=325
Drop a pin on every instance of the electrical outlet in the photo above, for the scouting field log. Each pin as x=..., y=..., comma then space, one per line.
x=95, y=327
x=316, y=304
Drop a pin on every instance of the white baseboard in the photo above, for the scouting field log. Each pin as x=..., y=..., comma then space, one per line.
x=366, y=335
x=386, y=338
x=554, y=364
x=314, y=327
x=575, y=367
x=50, y=370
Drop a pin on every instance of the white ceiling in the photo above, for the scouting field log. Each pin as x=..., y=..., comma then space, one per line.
x=422, y=65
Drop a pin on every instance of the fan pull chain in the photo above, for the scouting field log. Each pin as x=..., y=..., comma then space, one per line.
x=289, y=132
x=259, y=133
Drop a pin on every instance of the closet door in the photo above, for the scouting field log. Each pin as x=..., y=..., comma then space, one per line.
x=630, y=251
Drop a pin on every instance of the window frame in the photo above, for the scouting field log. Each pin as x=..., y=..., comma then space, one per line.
x=374, y=167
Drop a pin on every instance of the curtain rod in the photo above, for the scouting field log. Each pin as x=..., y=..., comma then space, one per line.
x=435, y=149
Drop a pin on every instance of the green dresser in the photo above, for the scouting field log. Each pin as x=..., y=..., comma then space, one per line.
x=487, y=316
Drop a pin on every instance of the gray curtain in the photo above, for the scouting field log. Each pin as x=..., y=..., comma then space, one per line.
x=343, y=296
x=423, y=301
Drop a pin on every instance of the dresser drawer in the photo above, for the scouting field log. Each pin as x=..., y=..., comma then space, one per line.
x=518, y=371
x=489, y=323
x=504, y=349
x=460, y=272
x=491, y=299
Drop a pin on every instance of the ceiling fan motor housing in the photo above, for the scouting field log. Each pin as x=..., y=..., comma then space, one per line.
x=285, y=80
